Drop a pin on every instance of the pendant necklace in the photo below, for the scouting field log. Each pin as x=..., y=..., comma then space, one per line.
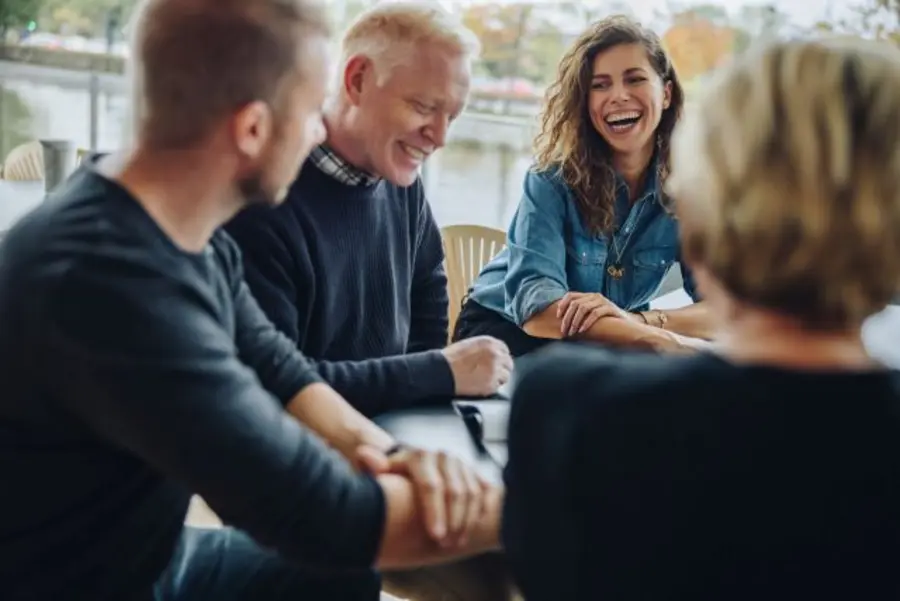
x=616, y=270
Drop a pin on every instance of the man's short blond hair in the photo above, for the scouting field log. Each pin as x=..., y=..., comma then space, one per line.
x=786, y=176
x=390, y=33
x=195, y=61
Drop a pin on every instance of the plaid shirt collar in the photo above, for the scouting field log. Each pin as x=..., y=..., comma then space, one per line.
x=331, y=164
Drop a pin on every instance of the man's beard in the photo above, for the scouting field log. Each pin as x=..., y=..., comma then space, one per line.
x=253, y=191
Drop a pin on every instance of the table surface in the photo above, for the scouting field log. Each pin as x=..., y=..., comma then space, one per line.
x=439, y=429
x=16, y=199
x=442, y=429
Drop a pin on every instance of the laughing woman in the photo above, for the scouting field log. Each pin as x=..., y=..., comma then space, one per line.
x=591, y=240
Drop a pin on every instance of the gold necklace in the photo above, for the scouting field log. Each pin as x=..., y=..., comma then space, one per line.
x=616, y=270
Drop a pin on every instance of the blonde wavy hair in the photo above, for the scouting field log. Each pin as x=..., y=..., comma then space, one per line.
x=786, y=178
x=568, y=141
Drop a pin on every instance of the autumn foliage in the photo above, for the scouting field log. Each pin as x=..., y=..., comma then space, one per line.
x=697, y=45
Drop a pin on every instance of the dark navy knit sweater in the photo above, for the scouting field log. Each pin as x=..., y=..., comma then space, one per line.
x=134, y=374
x=354, y=275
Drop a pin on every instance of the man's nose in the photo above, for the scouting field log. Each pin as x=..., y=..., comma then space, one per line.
x=436, y=131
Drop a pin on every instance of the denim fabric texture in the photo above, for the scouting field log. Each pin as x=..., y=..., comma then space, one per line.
x=551, y=252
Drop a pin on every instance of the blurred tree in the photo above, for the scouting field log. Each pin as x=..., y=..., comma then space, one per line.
x=90, y=18
x=697, y=44
x=758, y=23
x=67, y=21
x=15, y=122
x=17, y=13
x=501, y=29
x=543, y=46
x=713, y=13
x=874, y=19
x=591, y=11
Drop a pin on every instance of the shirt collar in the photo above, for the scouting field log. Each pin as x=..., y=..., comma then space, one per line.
x=331, y=164
x=650, y=194
x=651, y=184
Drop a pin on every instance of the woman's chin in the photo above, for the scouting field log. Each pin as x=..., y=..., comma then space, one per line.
x=628, y=143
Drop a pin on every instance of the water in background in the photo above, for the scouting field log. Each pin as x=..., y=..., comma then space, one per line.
x=466, y=183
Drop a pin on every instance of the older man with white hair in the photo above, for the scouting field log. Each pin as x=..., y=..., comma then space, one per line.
x=351, y=266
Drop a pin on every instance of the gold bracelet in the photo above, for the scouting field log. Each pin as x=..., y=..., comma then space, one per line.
x=663, y=319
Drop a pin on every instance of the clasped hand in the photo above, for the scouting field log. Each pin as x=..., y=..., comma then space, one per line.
x=453, y=497
x=578, y=311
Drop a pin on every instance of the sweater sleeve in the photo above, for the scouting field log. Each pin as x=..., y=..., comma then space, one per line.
x=429, y=302
x=163, y=381
x=278, y=281
x=269, y=269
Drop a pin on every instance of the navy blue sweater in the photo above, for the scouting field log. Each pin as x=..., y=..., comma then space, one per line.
x=354, y=276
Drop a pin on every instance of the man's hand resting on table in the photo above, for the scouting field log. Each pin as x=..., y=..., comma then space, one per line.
x=453, y=497
x=480, y=365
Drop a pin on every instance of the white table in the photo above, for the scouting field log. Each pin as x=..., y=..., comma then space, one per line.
x=16, y=199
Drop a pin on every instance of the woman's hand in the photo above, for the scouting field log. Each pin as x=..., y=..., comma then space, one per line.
x=578, y=311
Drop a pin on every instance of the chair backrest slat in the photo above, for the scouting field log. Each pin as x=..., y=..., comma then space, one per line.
x=467, y=248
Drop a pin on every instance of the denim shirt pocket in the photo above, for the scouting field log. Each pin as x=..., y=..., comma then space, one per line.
x=650, y=267
x=586, y=262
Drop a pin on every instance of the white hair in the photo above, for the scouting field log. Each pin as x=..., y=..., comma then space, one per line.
x=389, y=32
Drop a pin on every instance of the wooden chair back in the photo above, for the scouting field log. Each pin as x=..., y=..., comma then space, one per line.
x=467, y=248
x=25, y=163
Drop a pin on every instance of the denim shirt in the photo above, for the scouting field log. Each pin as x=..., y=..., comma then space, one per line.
x=551, y=252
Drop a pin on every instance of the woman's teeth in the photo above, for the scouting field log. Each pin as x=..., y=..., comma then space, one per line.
x=624, y=121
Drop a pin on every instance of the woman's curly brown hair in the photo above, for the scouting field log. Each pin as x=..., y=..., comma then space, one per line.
x=568, y=141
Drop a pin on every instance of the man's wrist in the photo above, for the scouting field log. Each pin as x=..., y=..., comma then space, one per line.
x=366, y=433
x=441, y=378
